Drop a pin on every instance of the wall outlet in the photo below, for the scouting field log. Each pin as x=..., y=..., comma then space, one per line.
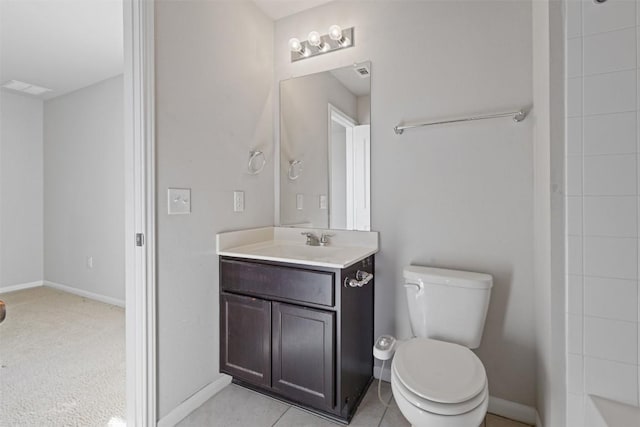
x=238, y=201
x=299, y=201
x=89, y=262
x=179, y=200
x=323, y=201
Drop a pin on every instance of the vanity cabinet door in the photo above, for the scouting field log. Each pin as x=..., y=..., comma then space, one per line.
x=245, y=334
x=303, y=354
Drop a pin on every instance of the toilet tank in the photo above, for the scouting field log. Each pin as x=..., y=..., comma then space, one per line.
x=448, y=305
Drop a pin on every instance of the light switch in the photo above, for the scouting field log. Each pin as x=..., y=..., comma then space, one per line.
x=299, y=201
x=323, y=201
x=238, y=201
x=179, y=201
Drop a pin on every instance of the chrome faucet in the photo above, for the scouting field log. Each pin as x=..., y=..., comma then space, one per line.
x=312, y=239
x=324, y=239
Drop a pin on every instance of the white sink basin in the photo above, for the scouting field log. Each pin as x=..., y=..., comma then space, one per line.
x=286, y=245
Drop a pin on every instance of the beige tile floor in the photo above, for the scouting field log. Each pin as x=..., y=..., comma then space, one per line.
x=236, y=406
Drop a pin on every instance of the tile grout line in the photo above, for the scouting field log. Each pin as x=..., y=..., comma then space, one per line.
x=382, y=417
x=280, y=417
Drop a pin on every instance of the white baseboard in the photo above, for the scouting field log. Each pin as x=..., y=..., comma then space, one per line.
x=513, y=410
x=194, y=402
x=86, y=294
x=20, y=286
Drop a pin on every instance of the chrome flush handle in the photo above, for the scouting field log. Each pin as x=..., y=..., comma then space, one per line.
x=361, y=279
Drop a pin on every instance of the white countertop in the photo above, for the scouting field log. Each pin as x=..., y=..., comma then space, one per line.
x=286, y=244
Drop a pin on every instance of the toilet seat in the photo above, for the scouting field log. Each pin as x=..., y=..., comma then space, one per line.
x=436, y=407
x=439, y=377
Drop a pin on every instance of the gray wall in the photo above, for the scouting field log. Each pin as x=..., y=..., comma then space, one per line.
x=84, y=189
x=304, y=129
x=548, y=137
x=214, y=76
x=456, y=196
x=20, y=190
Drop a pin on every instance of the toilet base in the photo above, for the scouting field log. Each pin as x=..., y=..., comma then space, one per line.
x=419, y=418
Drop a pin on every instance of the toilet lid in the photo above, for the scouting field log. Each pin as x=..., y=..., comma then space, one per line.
x=439, y=371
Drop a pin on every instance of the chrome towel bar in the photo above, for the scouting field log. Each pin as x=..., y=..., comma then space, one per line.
x=518, y=116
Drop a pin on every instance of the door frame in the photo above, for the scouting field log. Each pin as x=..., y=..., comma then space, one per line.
x=140, y=264
x=349, y=123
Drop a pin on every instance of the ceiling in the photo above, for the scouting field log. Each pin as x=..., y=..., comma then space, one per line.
x=277, y=9
x=65, y=45
x=62, y=45
x=357, y=85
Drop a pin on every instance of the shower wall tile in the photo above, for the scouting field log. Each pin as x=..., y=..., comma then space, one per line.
x=602, y=66
x=574, y=176
x=575, y=294
x=609, y=52
x=607, y=16
x=611, y=216
x=573, y=10
x=608, y=298
x=574, y=136
x=574, y=57
x=574, y=98
x=611, y=340
x=575, y=410
x=574, y=215
x=612, y=380
x=611, y=257
x=610, y=133
x=611, y=175
x=575, y=377
x=609, y=93
x=574, y=255
x=574, y=334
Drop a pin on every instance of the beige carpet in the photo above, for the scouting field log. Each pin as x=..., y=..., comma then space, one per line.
x=62, y=360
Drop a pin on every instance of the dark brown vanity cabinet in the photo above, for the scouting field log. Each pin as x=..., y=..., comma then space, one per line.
x=298, y=333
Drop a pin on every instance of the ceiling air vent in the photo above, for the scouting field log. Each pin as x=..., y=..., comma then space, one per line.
x=362, y=70
x=25, y=87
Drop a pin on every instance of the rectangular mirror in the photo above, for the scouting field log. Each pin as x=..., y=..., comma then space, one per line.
x=325, y=142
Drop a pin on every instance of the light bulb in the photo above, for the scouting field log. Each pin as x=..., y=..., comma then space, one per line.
x=314, y=38
x=295, y=46
x=335, y=32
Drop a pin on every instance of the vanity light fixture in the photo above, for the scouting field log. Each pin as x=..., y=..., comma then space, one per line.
x=315, y=40
x=298, y=48
x=317, y=44
x=335, y=32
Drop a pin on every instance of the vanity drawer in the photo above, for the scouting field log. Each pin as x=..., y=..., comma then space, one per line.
x=287, y=283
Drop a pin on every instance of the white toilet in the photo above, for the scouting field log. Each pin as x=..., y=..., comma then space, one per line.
x=436, y=379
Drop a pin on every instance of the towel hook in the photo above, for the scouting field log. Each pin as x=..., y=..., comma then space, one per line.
x=293, y=174
x=252, y=169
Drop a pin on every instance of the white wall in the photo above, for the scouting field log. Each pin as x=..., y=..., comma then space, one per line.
x=548, y=144
x=214, y=95
x=455, y=196
x=304, y=128
x=602, y=204
x=84, y=189
x=20, y=190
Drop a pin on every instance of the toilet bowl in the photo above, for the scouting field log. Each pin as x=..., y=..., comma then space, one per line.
x=436, y=383
x=436, y=379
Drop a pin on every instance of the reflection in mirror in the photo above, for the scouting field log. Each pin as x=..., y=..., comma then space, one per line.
x=325, y=149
